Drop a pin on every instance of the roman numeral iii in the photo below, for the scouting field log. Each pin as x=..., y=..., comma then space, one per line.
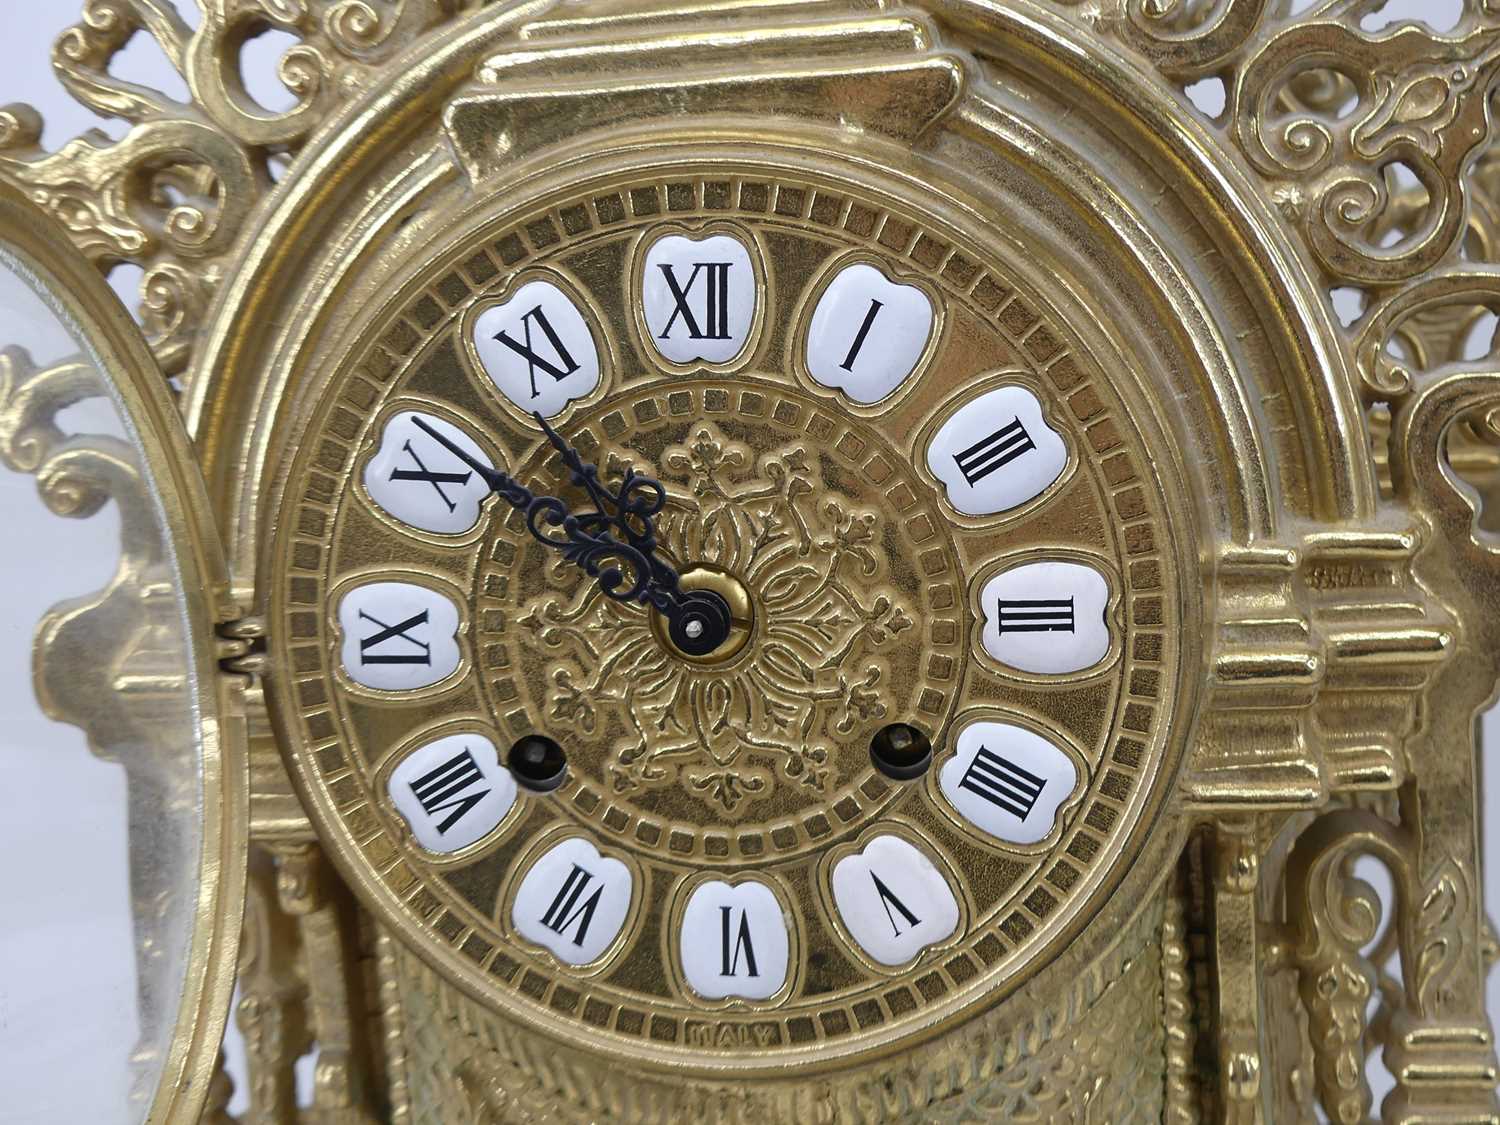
x=1035, y=615
x=994, y=452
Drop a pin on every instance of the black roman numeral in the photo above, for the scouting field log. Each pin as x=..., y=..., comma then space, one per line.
x=386, y=633
x=559, y=367
x=994, y=452
x=1003, y=783
x=859, y=337
x=566, y=910
x=715, y=322
x=442, y=789
x=1038, y=615
x=423, y=473
x=741, y=943
x=888, y=900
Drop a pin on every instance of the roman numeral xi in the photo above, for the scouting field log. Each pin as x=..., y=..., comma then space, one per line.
x=559, y=366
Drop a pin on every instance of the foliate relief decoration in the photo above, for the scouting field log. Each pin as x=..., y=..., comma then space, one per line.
x=174, y=195
x=466, y=1065
x=813, y=564
x=1334, y=916
x=1339, y=115
x=1412, y=99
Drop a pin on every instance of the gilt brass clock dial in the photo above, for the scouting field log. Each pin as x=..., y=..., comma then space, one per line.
x=926, y=504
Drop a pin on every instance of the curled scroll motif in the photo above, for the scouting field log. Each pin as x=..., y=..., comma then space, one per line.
x=1421, y=327
x=1333, y=916
x=1187, y=39
x=175, y=195
x=1417, y=100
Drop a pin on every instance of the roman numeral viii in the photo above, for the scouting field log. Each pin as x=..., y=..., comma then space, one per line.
x=994, y=452
x=442, y=790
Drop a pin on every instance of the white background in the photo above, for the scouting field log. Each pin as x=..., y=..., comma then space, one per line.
x=66, y=982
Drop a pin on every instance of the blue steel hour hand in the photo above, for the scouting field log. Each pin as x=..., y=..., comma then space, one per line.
x=616, y=538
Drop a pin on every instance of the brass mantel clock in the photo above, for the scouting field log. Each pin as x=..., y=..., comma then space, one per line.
x=823, y=561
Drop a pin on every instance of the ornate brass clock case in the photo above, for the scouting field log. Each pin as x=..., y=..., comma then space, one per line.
x=999, y=393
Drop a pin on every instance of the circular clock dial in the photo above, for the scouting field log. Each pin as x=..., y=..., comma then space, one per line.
x=935, y=727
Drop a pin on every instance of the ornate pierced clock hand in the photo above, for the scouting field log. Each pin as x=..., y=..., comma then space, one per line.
x=621, y=528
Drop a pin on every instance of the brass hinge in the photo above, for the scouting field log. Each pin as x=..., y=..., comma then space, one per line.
x=242, y=647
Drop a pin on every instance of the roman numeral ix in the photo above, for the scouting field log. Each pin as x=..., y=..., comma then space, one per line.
x=994, y=452
x=741, y=943
x=1003, y=783
x=391, y=633
x=559, y=367
x=566, y=911
x=715, y=322
x=1037, y=615
x=423, y=473
x=442, y=789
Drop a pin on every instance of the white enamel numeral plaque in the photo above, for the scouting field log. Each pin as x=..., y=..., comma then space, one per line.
x=867, y=333
x=996, y=453
x=734, y=941
x=420, y=482
x=1046, y=617
x=398, y=636
x=452, y=792
x=573, y=901
x=893, y=900
x=538, y=349
x=1008, y=781
x=698, y=297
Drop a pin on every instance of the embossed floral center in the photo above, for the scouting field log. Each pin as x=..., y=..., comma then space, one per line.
x=815, y=674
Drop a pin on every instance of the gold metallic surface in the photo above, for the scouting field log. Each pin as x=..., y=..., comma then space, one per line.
x=1293, y=503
